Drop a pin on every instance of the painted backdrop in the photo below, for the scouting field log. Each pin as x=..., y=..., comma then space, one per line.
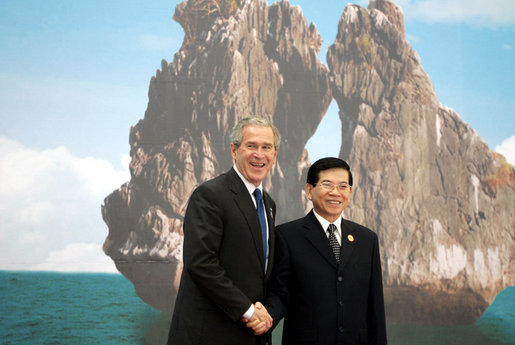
x=426, y=87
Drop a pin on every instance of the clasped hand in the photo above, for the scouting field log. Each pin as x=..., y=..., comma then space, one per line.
x=261, y=321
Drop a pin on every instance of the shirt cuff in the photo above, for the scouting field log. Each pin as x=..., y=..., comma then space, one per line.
x=248, y=314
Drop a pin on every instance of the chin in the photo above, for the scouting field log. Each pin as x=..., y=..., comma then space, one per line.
x=258, y=179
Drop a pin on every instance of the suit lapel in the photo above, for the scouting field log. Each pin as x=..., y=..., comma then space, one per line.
x=316, y=235
x=271, y=234
x=349, y=241
x=246, y=206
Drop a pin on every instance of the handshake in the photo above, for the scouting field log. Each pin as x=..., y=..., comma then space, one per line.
x=261, y=321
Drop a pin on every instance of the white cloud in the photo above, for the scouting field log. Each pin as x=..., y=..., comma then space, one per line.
x=507, y=46
x=507, y=149
x=77, y=257
x=28, y=170
x=98, y=176
x=32, y=237
x=476, y=12
x=49, y=199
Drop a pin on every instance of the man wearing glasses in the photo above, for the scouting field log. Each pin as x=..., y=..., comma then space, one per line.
x=327, y=280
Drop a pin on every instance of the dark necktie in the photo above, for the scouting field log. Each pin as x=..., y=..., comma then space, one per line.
x=262, y=220
x=335, y=246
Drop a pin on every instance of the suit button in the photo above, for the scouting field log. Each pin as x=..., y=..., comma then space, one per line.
x=340, y=278
x=340, y=329
x=340, y=302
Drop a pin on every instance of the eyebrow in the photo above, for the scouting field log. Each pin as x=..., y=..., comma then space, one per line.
x=335, y=182
x=256, y=143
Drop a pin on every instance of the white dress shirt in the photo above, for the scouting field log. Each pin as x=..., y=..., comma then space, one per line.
x=325, y=224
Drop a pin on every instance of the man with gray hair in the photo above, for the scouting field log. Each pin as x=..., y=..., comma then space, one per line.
x=228, y=246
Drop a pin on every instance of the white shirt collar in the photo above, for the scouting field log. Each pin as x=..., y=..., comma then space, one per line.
x=325, y=223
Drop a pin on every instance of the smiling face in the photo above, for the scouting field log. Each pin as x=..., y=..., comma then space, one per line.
x=256, y=154
x=330, y=203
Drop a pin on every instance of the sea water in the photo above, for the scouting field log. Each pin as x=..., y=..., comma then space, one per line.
x=86, y=308
x=82, y=308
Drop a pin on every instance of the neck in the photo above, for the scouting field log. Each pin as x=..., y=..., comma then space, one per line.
x=331, y=219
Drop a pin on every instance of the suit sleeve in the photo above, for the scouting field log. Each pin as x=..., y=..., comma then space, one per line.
x=277, y=298
x=376, y=313
x=203, y=232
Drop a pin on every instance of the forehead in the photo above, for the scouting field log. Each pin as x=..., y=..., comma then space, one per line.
x=257, y=134
x=336, y=175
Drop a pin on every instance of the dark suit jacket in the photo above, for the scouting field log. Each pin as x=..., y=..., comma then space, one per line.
x=325, y=303
x=224, y=267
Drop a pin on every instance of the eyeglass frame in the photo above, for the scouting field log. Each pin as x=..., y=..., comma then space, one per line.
x=329, y=186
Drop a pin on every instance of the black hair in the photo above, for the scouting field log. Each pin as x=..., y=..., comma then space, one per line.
x=326, y=164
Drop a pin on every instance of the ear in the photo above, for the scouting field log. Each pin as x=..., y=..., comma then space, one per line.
x=309, y=188
x=233, y=151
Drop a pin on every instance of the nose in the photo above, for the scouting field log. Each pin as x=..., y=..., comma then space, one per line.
x=335, y=190
x=259, y=152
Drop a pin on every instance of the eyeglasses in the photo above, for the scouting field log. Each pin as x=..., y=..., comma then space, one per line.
x=329, y=186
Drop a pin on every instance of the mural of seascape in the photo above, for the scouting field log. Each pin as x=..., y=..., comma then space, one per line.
x=416, y=95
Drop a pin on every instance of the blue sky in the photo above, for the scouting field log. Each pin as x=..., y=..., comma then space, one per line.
x=74, y=77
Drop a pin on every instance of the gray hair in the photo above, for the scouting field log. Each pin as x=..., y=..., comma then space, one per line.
x=237, y=132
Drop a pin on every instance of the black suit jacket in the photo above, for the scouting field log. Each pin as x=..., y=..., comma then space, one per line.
x=325, y=303
x=224, y=268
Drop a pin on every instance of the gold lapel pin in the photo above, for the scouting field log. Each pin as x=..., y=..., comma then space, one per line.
x=350, y=238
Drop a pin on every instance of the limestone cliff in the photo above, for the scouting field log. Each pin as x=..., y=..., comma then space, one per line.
x=439, y=199
x=235, y=61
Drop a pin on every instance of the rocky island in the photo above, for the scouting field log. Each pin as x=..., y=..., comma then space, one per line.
x=439, y=199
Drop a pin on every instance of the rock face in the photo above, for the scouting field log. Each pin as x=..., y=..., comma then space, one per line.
x=439, y=199
x=234, y=62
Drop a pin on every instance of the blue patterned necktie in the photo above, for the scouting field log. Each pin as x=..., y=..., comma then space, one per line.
x=262, y=220
x=335, y=246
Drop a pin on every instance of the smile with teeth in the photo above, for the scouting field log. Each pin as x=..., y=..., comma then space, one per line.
x=258, y=165
x=335, y=202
